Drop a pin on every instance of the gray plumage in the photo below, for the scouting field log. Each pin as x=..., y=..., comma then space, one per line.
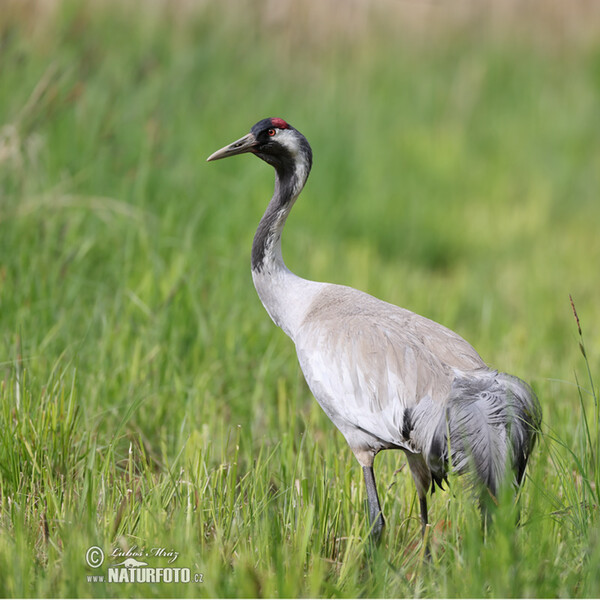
x=491, y=420
x=386, y=377
x=389, y=378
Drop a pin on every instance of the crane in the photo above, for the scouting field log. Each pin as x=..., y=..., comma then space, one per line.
x=388, y=378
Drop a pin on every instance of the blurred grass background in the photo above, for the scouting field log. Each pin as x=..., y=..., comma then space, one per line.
x=146, y=396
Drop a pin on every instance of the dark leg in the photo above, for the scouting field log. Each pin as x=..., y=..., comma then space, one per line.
x=424, y=523
x=375, y=516
x=422, y=478
x=423, y=506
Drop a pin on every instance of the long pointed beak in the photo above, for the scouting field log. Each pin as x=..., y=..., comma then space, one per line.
x=245, y=144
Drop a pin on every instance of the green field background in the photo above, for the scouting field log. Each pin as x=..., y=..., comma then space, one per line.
x=146, y=399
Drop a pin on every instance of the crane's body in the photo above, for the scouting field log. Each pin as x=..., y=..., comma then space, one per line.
x=385, y=376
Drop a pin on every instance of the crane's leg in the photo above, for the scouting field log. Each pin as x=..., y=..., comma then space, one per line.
x=487, y=501
x=423, y=507
x=375, y=516
x=422, y=478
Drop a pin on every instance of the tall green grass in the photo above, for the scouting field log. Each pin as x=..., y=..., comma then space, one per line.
x=146, y=400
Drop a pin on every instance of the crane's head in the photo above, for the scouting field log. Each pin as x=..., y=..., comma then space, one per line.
x=276, y=142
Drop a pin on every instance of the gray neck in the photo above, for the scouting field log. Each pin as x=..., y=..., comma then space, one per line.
x=284, y=295
x=266, y=248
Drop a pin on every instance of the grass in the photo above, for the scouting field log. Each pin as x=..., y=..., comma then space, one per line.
x=146, y=400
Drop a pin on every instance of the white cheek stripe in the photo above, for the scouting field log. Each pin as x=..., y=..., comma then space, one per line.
x=288, y=140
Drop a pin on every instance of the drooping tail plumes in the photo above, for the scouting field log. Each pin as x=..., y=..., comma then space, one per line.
x=526, y=421
x=490, y=423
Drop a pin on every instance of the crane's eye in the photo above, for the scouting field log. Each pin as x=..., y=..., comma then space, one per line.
x=271, y=132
